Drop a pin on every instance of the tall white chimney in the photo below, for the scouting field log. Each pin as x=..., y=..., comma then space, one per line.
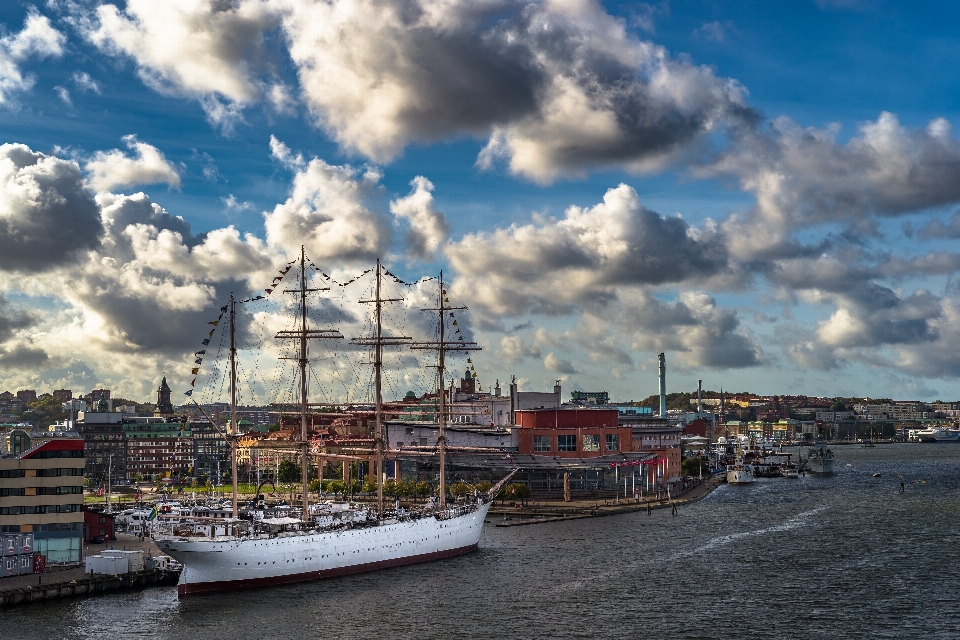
x=663, y=385
x=699, y=396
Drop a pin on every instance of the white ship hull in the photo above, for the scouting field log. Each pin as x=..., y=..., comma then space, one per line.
x=938, y=435
x=741, y=475
x=226, y=563
x=820, y=467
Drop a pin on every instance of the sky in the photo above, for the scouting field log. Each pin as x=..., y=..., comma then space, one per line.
x=766, y=192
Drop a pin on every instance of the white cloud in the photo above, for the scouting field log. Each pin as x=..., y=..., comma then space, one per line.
x=235, y=206
x=428, y=228
x=559, y=88
x=38, y=39
x=64, y=95
x=556, y=88
x=581, y=260
x=113, y=169
x=513, y=350
x=47, y=217
x=328, y=212
x=280, y=152
x=803, y=177
x=195, y=48
x=84, y=82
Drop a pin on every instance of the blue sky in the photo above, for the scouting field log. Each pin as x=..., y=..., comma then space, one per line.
x=808, y=148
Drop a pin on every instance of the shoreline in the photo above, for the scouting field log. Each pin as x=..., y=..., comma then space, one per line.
x=543, y=512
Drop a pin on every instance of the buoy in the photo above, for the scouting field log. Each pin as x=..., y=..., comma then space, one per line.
x=876, y=475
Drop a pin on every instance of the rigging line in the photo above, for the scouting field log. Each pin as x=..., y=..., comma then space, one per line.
x=320, y=389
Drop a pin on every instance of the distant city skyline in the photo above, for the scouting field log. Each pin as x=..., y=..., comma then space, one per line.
x=769, y=193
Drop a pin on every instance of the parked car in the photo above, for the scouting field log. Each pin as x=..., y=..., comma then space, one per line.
x=97, y=540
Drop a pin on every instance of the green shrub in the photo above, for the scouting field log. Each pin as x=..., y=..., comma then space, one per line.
x=515, y=491
x=460, y=489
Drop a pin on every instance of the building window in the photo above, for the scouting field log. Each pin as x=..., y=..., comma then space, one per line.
x=591, y=443
x=613, y=442
x=541, y=443
x=566, y=443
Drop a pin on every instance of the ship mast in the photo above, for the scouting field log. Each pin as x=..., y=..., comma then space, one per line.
x=234, y=432
x=302, y=334
x=378, y=342
x=442, y=346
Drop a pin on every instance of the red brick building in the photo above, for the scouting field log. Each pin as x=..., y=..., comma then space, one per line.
x=571, y=433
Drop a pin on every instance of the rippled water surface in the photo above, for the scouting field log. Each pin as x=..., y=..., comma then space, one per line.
x=841, y=557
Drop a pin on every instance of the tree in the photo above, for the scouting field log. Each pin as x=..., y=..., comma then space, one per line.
x=460, y=489
x=694, y=467
x=839, y=405
x=336, y=487
x=483, y=486
x=45, y=411
x=422, y=489
x=289, y=472
x=515, y=491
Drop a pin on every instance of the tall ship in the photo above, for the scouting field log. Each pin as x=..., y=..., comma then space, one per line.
x=820, y=461
x=328, y=539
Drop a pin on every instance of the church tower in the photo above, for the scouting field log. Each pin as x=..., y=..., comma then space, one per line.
x=164, y=406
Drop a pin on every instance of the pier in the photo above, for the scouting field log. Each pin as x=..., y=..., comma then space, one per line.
x=507, y=514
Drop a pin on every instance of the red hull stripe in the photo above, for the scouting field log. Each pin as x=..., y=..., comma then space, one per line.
x=231, y=585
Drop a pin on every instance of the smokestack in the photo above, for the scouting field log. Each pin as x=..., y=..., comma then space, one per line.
x=663, y=386
x=699, y=396
x=513, y=399
x=496, y=389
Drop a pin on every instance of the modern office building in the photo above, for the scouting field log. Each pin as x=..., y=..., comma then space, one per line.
x=41, y=492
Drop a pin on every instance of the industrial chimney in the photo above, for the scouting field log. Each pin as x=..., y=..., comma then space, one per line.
x=663, y=386
x=699, y=396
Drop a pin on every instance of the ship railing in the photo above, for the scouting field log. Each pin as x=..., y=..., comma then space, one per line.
x=199, y=527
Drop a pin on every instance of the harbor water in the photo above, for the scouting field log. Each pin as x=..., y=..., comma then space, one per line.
x=847, y=556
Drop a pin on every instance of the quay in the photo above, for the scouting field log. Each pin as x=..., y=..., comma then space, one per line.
x=81, y=586
x=74, y=582
x=546, y=511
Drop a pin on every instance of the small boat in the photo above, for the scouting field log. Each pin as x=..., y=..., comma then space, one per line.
x=876, y=475
x=789, y=473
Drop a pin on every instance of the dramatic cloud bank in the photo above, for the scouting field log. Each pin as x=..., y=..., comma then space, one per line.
x=556, y=88
x=813, y=268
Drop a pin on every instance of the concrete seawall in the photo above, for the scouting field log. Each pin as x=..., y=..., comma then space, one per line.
x=87, y=586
